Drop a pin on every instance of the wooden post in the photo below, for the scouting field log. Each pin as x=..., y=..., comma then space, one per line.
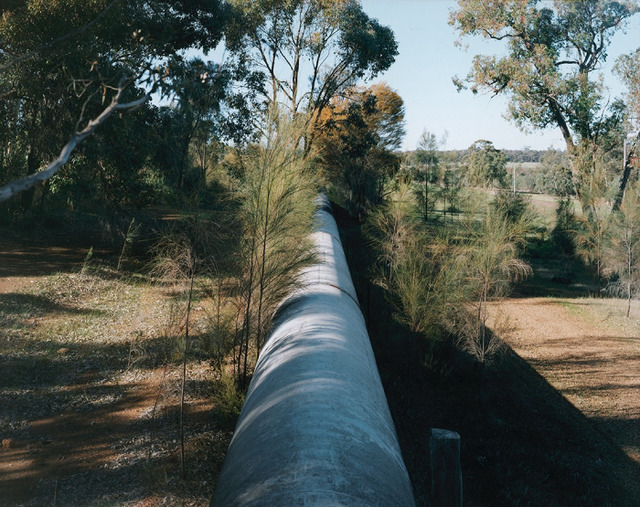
x=446, y=472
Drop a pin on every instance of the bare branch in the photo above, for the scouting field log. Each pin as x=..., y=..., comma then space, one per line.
x=567, y=62
x=18, y=186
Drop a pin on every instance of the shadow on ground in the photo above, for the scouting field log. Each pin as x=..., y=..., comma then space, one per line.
x=523, y=443
x=72, y=430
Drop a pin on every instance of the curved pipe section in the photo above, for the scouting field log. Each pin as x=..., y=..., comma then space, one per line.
x=315, y=428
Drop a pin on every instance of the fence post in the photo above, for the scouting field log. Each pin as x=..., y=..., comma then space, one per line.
x=446, y=472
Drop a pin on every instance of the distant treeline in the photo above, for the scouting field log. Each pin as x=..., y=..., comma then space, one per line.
x=517, y=156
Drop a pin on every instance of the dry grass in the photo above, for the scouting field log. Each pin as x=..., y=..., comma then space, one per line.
x=89, y=396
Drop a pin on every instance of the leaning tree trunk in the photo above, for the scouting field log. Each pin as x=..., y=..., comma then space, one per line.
x=626, y=172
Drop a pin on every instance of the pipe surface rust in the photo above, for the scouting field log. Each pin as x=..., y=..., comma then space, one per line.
x=315, y=427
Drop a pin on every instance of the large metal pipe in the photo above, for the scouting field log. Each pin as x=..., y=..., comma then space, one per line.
x=315, y=427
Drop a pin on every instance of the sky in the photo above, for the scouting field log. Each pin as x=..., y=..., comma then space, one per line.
x=428, y=60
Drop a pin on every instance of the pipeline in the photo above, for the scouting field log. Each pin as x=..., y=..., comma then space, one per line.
x=315, y=427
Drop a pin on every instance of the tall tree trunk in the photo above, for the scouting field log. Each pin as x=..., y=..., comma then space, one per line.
x=626, y=172
x=33, y=163
x=562, y=124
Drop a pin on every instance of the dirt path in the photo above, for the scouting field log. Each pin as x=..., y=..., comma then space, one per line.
x=588, y=352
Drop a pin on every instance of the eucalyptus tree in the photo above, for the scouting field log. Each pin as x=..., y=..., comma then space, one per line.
x=67, y=66
x=200, y=90
x=304, y=52
x=628, y=69
x=550, y=69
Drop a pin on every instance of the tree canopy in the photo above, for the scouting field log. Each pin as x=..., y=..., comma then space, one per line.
x=66, y=66
x=549, y=70
x=485, y=164
x=628, y=68
x=307, y=51
x=356, y=136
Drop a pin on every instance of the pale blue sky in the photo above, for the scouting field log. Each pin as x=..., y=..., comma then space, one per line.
x=427, y=61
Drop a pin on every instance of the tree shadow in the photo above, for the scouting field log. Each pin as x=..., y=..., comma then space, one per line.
x=109, y=454
x=78, y=433
x=523, y=443
x=19, y=305
x=39, y=260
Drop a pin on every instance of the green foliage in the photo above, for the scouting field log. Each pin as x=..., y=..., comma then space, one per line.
x=490, y=263
x=547, y=73
x=428, y=159
x=229, y=400
x=515, y=207
x=451, y=191
x=61, y=65
x=622, y=253
x=329, y=44
x=591, y=234
x=485, y=165
x=556, y=176
x=441, y=278
x=565, y=227
x=416, y=266
x=628, y=69
x=276, y=211
x=354, y=141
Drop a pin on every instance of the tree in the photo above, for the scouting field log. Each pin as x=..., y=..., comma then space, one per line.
x=416, y=265
x=622, y=255
x=428, y=158
x=62, y=61
x=556, y=175
x=490, y=264
x=628, y=68
x=486, y=165
x=200, y=92
x=329, y=44
x=548, y=71
x=276, y=214
x=450, y=192
x=593, y=232
x=356, y=136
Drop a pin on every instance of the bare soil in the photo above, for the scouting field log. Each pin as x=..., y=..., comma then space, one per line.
x=589, y=352
x=91, y=417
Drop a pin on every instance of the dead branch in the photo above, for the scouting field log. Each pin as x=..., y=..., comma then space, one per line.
x=15, y=187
